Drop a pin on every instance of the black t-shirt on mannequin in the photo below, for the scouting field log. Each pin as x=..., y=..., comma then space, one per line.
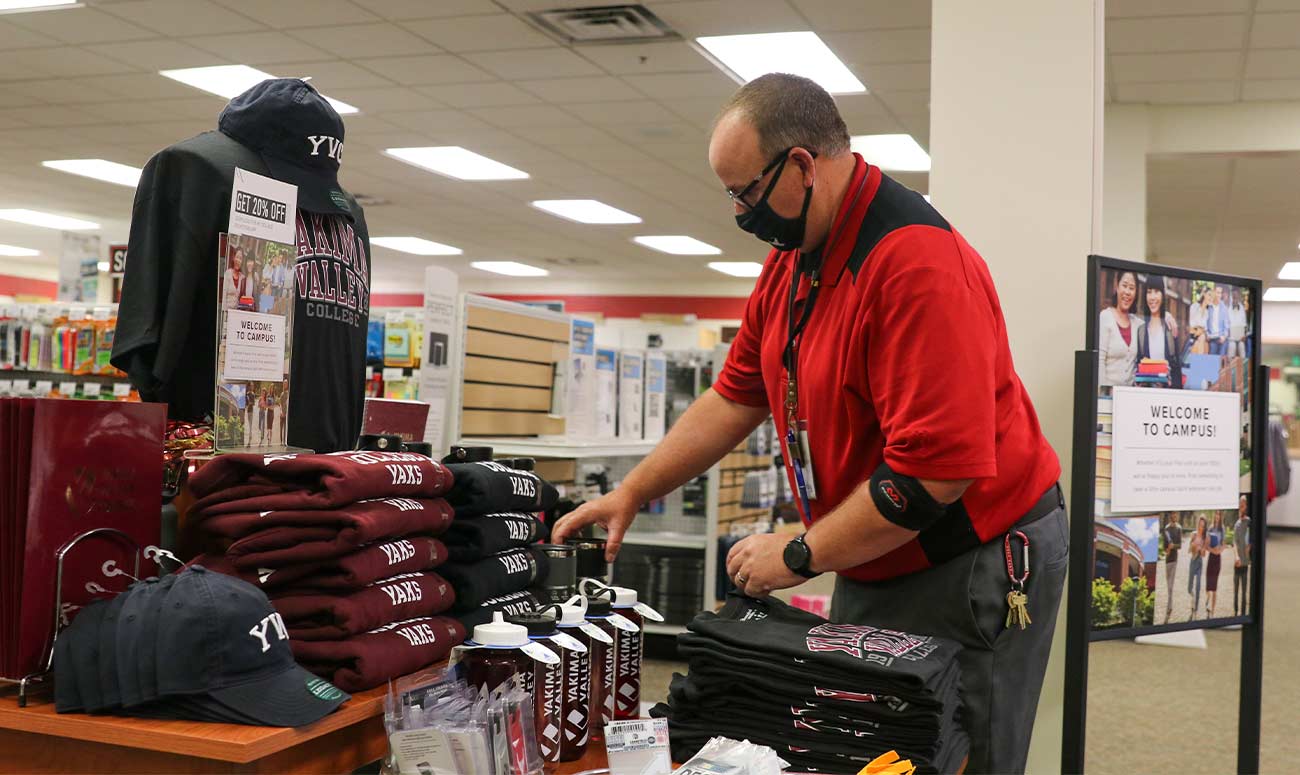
x=166, y=330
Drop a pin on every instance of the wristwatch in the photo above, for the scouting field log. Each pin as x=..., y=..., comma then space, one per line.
x=798, y=558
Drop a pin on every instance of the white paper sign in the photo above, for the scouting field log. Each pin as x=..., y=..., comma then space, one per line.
x=438, y=364
x=1175, y=450
x=254, y=346
x=580, y=388
x=263, y=207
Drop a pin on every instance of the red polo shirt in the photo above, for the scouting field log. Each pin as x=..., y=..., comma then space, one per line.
x=904, y=359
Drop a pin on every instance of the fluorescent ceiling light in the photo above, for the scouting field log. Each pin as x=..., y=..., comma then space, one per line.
x=102, y=266
x=512, y=268
x=457, y=162
x=232, y=80
x=1290, y=271
x=14, y=250
x=416, y=245
x=99, y=169
x=1282, y=294
x=47, y=220
x=28, y=5
x=737, y=268
x=585, y=211
x=678, y=245
x=892, y=152
x=746, y=57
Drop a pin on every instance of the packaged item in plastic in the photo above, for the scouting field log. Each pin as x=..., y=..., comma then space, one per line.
x=723, y=756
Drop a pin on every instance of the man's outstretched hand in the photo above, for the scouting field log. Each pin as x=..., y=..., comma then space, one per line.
x=613, y=512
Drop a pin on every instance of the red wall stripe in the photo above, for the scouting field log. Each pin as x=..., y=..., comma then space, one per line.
x=716, y=307
x=26, y=286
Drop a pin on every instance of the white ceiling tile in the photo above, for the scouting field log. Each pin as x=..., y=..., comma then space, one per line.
x=139, y=86
x=424, y=9
x=335, y=74
x=158, y=54
x=494, y=32
x=479, y=95
x=598, y=89
x=363, y=40
x=149, y=111
x=1208, y=66
x=607, y=113
x=1273, y=63
x=1275, y=30
x=673, y=85
x=61, y=61
x=1272, y=89
x=431, y=69
x=58, y=116
x=866, y=47
x=700, y=111
x=728, y=17
x=257, y=48
x=885, y=125
x=526, y=116
x=1178, y=92
x=887, y=77
x=184, y=17
x=586, y=136
x=676, y=134
x=282, y=14
x=527, y=63
x=61, y=90
x=1177, y=33
x=899, y=102
x=669, y=56
x=1262, y=6
x=864, y=14
x=1128, y=8
x=15, y=36
x=378, y=100
x=435, y=120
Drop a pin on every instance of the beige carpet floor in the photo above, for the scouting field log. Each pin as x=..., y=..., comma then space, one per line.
x=1156, y=709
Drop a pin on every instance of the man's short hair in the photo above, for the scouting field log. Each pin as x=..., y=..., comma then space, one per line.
x=790, y=110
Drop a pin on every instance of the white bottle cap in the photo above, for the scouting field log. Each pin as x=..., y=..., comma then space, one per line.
x=624, y=597
x=573, y=614
x=499, y=632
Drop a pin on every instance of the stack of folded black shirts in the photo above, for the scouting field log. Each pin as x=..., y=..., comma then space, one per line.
x=195, y=645
x=493, y=559
x=827, y=697
x=345, y=546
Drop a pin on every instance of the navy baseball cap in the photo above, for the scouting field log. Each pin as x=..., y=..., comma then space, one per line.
x=298, y=134
x=236, y=655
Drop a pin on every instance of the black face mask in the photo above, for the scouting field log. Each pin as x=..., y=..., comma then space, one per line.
x=763, y=222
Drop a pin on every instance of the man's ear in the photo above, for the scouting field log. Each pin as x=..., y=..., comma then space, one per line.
x=805, y=161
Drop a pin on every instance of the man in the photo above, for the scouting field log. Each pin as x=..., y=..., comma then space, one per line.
x=1241, y=566
x=923, y=450
x=1173, y=545
x=1218, y=323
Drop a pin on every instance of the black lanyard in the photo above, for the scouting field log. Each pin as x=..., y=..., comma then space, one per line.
x=794, y=328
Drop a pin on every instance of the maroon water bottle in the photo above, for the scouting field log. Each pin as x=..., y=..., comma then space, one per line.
x=602, y=665
x=545, y=682
x=497, y=653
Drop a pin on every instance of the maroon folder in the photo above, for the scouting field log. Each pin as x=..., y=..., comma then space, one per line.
x=71, y=467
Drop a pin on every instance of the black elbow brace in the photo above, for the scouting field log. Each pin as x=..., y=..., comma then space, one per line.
x=903, y=500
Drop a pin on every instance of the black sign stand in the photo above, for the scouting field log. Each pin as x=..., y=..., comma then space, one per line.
x=1078, y=630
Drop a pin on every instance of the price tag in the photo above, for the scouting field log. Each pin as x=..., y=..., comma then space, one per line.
x=567, y=641
x=391, y=374
x=123, y=389
x=638, y=746
x=648, y=612
x=68, y=389
x=540, y=653
x=623, y=623
x=92, y=389
x=595, y=633
x=44, y=387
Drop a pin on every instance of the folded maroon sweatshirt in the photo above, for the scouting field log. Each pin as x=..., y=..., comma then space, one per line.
x=296, y=537
x=365, y=661
x=246, y=483
x=367, y=565
x=396, y=599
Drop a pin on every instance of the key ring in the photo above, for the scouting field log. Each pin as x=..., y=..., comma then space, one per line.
x=1017, y=583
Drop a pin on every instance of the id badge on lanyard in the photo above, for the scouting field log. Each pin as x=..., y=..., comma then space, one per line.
x=799, y=454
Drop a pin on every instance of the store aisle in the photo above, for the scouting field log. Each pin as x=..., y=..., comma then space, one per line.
x=1159, y=709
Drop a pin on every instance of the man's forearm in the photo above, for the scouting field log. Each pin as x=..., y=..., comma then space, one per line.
x=856, y=532
x=709, y=429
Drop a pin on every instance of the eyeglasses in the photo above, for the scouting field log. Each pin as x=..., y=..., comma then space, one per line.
x=742, y=197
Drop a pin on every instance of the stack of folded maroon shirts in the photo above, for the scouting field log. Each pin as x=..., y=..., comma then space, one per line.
x=345, y=546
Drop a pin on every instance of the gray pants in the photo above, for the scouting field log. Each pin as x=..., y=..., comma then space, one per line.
x=965, y=599
x=1171, y=570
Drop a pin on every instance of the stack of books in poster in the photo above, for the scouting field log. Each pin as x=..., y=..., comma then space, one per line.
x=1152, y=372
